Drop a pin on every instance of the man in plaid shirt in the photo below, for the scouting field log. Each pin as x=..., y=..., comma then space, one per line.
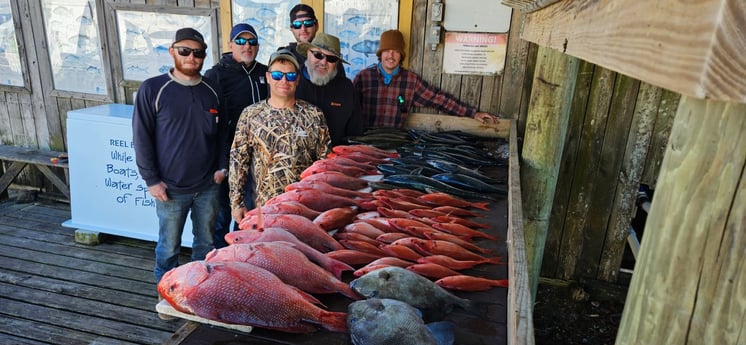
x=388, y=90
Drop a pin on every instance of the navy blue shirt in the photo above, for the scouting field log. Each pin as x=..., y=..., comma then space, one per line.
x=177, y=130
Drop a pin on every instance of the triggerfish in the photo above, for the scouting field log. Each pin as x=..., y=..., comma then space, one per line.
x=406, y=286
x=380, y=321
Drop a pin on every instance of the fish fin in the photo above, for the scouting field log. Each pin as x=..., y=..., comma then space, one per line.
x=308, y=297
x=334, y=321
x=442, y=331
x=475, y=308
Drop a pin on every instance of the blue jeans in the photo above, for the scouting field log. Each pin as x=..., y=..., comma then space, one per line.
x=171, y=218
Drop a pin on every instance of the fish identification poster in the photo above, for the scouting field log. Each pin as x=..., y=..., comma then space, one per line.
x=358, y=24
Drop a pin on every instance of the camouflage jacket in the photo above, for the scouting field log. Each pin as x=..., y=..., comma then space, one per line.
x=272, y=147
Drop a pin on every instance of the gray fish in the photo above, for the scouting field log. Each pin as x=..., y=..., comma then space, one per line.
x=406, y=286
x=387, y=321
x=450, y=167
x=469, y=183
x=426, y=184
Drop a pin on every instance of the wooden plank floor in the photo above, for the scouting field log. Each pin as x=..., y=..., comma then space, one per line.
x=55, y=291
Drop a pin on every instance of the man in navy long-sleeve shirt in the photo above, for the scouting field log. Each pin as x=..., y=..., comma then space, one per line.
x=177, y=130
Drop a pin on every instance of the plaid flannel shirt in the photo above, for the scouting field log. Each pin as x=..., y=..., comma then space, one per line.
x=380, y=102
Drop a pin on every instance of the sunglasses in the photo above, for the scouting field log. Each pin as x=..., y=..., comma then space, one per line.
x=309, y=23
x=185, y=51
x=290, y=76
x=242, y=41
x=320, y=56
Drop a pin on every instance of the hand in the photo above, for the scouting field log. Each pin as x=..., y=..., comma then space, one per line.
x=158, y=191
x=239, y=213
x=485, y=118
x=220, y=175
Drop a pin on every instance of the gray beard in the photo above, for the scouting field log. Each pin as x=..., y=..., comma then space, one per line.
x=317, y=79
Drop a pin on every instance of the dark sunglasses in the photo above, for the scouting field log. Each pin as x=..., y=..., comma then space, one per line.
x=309, y=23
x=242, y=41
x=290, y=76
x=320, y=56
x=198, y=53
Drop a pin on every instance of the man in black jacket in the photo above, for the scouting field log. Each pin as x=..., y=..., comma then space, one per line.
x=241, y=82
x=322, y=85
x=304, y=26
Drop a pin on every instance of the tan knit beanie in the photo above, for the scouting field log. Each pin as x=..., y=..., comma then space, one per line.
x=391, y=40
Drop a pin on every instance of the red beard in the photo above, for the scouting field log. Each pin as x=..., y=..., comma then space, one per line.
x=188, y=70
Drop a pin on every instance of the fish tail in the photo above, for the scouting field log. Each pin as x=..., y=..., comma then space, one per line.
x=442, y=331
x=501, y=283
x=481, y=205
x=334, y=321
x=495, y=260
x=475, y=308
x=346, y=290
x=336, y=267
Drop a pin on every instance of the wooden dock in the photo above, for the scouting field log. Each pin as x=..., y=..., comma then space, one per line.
x=55, y=291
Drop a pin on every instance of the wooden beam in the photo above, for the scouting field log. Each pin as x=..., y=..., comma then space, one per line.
x=225, y=14
x=520, y=310
x=692, y=47
x=546, y=127
x=638, y=142
x=440, y=123
x=689, y=285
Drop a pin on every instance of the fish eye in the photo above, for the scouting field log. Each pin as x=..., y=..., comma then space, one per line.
x=384, y=275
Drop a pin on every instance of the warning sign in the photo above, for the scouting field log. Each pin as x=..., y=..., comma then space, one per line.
x=474, y=53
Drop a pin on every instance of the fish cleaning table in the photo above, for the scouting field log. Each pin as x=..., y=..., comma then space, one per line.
x=506, y=317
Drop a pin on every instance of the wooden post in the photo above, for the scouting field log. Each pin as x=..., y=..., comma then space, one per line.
x=689, y=285
x=544, y=138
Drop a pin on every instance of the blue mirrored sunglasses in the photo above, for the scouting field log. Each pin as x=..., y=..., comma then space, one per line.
x=242, y=41
x=290, y=76
x=307, y=23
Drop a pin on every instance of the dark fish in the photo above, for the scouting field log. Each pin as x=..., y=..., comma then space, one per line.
x=391, y=169
x=425, y=155
x=425, y=171
x=381, y=186
x=380, y=321
x=427, y=184
x=449, y=167
x=409, y=287
x=469, y=183
x=408, y=160
x=379, y=141
x=442, y=138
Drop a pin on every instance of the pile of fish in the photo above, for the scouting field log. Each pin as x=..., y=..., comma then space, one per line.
x=408, y=238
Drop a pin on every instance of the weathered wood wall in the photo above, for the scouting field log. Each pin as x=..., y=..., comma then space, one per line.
x=618, y=128
x=617, y=133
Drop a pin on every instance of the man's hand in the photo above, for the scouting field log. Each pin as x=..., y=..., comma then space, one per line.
x=158, y=191
x=220, y=175
x=238, y=213
x=485, y=118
